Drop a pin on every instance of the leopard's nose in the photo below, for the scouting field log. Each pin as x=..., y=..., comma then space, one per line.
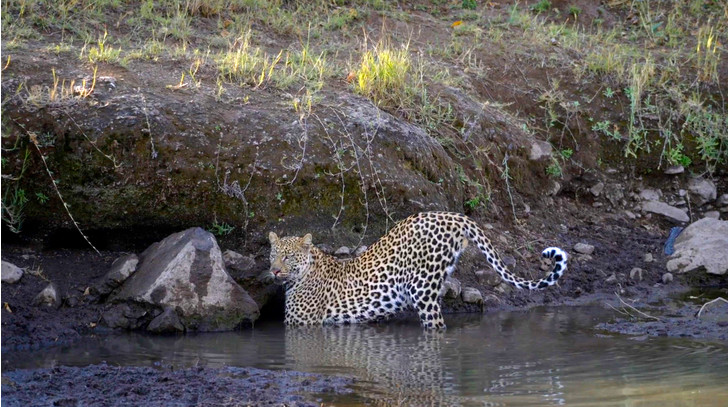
x=275, y=272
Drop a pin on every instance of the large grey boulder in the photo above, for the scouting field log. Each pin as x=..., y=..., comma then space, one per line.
x=186, y=272
x=670, y=212
x=702, y=244
x=11, y=273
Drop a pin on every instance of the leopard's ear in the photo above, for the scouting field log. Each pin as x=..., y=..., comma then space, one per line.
x=307, y=240
x=272, y=237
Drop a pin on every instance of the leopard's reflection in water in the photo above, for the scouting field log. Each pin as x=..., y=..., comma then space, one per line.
x=399, y=364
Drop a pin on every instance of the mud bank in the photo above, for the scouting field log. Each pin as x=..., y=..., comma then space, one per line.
x=104, y=385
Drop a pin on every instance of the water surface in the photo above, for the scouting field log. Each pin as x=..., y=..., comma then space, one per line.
x=542, y=357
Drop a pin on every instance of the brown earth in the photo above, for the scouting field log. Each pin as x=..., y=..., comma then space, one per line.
x=141, y=158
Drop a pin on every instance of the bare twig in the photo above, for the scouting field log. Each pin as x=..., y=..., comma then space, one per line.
x=93, y=143
x=34, y=140
x=710, y=302
x=635, y=309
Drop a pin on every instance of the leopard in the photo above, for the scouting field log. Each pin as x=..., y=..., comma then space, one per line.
x=404, y=270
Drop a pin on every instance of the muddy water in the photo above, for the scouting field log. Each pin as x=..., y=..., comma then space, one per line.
x=547, y=356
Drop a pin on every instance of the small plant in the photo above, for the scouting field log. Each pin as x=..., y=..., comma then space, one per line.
x=220, y=229
x=554, y=169
x=605, y=127
x=708, y=54
x=566, y=153
x=473, y=202
x=469, y=4
x=541, y=7
x=102, y=52
x=382, y=75
x=41, y=197
x=574, y=11
x=675, y=156
x=608, y=93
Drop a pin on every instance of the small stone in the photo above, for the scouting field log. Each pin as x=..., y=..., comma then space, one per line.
x=666, y=278
x=712, y=214
x=611, y=279
x=723, y=200
x=555, y=188
x=472, y=295
x=342, y=251
x=682, y=193
x=238, y=262
x=48, y=297
x=540, y=150
x=597, y=205
x=671, y=212
x=166, y=322
x=488, y=277
x=451, y=288
x=584, y=248
x=674, y=170
x=597, y=189
x=649, y=258
x=121, y=269
x=636, y=274
x=702, y=190
x=630, y=215
x=650, y=194
x=11, y=273
x=360, y=250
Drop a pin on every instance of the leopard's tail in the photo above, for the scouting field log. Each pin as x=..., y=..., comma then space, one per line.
x=476, y=235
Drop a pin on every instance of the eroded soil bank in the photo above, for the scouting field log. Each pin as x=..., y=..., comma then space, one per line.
x=104, y=385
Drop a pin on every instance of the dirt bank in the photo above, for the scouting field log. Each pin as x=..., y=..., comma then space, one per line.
x=104, y=385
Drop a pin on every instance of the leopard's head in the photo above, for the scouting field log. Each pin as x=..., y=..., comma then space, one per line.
x=289, y=257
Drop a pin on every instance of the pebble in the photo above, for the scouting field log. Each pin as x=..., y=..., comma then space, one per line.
x=630, y=215
x=342, y=251
x=612, y=279
x=11, y=273
x=48, y=296
x=359, y=250
x=597, y=189
x=666, y=278
x=636, y=273
x=649, y=258
x=584, y=248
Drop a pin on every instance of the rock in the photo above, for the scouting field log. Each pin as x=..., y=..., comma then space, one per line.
x=702, y=190
x=359, y=250
x=540, y=150
x=674, y=170
x=584, y=248
x=48, y=297
x=648, y=258
x=670, y=212
x=666, y=278
x=451, y=288
x=185, y=271
x=630, y=215
x=650, y=194
x=555, y=188
x=636, y=273
x=236, y=261
x=703, y=244
x=712, y=214
x=166, y=322
x=342, y=251
x=121, y=269
x=488, y=277
x=125, y=316
x=472, y=295
x=722, y=200
x=597, y=189
x=11, y=273
x=612, y=279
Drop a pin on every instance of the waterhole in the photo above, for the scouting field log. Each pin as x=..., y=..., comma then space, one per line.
x=542, y=357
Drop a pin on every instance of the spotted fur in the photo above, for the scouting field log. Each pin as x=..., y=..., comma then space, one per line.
x=404, y=269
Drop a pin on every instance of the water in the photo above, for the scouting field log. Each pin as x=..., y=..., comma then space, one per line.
x=543, y=357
